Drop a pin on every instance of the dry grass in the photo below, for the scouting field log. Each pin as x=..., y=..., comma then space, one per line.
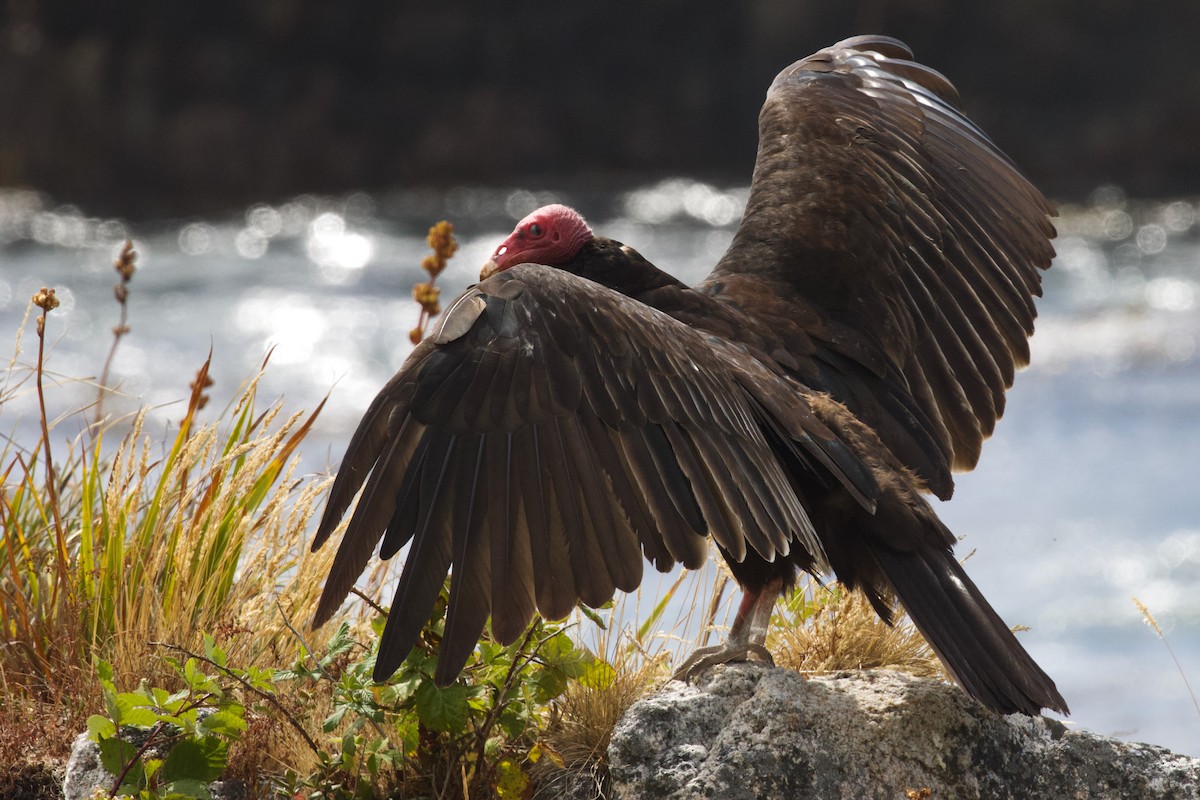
x=581, y=726
x=214, y=542
x=821, y=630
x=1153, y=623
x=106, y=551
x=162, y=547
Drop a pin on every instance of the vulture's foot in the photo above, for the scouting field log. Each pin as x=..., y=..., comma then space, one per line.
x=747, y=636
x=725, y=653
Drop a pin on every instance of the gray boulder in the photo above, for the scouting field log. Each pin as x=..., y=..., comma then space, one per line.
x=85, y=773
x=748, y=731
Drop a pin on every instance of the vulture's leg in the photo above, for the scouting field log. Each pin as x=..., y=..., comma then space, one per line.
x=747, y=638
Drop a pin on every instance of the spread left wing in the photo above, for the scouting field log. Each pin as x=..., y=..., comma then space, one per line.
x=549, y=433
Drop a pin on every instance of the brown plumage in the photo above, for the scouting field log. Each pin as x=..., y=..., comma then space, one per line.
x=572, y=415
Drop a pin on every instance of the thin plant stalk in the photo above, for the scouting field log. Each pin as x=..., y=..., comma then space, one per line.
x=1153, y=623
x=125, y=264
x=47, y=301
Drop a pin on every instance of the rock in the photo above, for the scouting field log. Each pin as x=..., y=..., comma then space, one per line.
x=85, y=773
x=748, y=731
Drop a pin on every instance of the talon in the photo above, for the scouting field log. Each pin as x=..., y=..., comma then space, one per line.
x=729, y=652
x=764, y=655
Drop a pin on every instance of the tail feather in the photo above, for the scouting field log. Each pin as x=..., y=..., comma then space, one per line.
x=978, y=649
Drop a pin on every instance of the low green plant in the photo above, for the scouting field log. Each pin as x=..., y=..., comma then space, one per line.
x=168, y=746
x=479, y=736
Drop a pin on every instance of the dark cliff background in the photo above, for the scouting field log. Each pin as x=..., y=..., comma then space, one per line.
x=150, y=108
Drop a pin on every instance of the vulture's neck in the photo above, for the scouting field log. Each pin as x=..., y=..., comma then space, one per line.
x=619, y=267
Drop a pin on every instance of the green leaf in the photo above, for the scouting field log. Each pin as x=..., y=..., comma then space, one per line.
x=100, y=727
x=176, y=700
x=118, y=705
x=115, y=754
x=419, y=663
x=135, y=699
x=381, y=755
x=556, y=648
x=511, y=780
x=261, y=678
x=334, y=719
x=140, y=717
x=596, y=674
x=227, y=722
x=398, y=693
x=192, y=674
x=514, y=720
x=548, y=684
x=576, y=662
x=442, y=709
x=214, y=653
x=357, y=725
x=104, y=671
x=197, y=680
x=340, y=642
x=588, y=612
x=408, y=734
x=202, y=759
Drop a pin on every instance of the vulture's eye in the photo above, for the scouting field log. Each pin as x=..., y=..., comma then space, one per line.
x=535, y=231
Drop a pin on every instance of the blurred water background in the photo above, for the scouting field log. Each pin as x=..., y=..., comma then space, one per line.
x=1087, y=495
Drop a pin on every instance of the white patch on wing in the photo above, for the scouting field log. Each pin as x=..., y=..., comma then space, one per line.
x=459, y=318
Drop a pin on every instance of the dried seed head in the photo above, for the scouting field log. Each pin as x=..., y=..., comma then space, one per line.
x=441, y=240
x=433, y=265
x=45, y=299
x=199, y=385
x=428, y=296
x=125, y=262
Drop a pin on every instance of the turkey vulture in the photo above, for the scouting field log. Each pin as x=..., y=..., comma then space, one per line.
x=579, y=408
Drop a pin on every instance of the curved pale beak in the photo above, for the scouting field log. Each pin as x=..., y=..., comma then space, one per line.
x=489, y=269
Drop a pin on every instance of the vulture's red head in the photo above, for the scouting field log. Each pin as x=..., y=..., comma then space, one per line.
x=552, y=235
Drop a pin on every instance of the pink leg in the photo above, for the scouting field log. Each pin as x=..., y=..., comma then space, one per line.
x=747, y=636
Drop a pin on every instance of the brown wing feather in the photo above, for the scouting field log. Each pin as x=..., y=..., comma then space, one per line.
x=471, y=581
x=877, y=204
x=513, y=597
x=633, y=436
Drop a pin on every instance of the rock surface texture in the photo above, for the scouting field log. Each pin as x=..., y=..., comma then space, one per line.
x=747, y=731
